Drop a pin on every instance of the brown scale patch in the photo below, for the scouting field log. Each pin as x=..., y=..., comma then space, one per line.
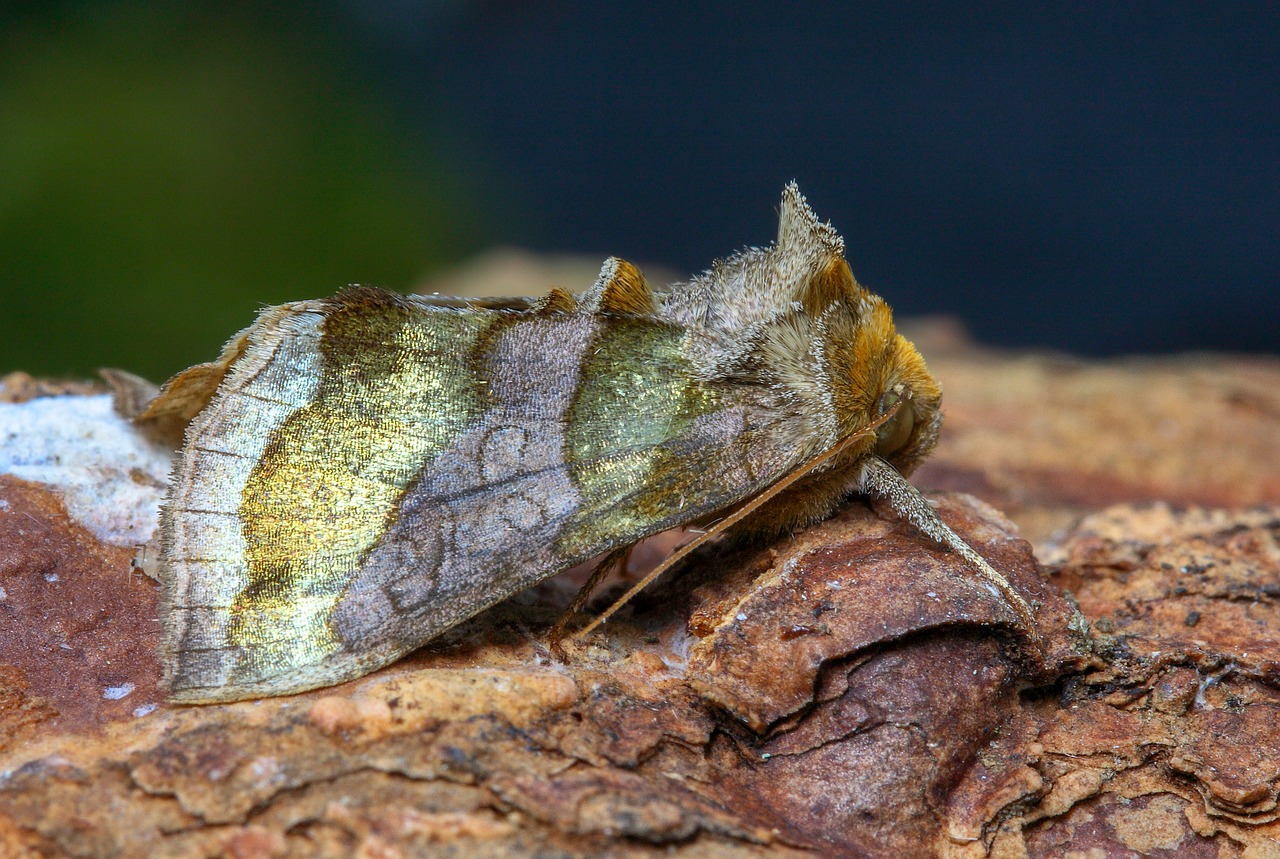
x=77, y=620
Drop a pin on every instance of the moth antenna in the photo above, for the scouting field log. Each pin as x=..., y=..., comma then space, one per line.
x=741, y=513
x=882, y=480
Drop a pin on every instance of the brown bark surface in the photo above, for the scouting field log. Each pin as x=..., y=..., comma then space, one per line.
x=852, y=691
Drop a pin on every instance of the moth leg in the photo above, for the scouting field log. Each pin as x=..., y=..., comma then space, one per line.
x=881, y=479
x=615, y=560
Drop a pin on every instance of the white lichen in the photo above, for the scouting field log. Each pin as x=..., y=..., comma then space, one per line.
x=110, y=476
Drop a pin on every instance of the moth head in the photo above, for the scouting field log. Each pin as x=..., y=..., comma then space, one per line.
x=911, y=397
x=828, y=342
x=872, y=370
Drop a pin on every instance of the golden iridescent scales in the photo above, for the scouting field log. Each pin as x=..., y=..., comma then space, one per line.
x=363, y=472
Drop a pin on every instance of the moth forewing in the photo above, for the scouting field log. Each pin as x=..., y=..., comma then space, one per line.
x=385, y=468
x=743, y=513
x=373, y=469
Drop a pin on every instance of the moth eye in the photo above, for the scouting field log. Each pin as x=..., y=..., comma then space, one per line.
x=894, y=433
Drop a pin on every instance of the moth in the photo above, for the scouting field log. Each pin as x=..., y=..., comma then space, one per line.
x=363, y=472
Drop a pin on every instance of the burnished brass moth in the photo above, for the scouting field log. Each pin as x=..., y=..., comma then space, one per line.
x=361, y=473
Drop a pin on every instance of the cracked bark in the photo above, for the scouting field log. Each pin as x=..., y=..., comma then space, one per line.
x=851, y=691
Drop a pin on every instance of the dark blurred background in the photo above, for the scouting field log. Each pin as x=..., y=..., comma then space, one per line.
x=1097, y=178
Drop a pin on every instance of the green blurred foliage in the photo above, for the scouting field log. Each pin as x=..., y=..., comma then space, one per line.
x=168, y=168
